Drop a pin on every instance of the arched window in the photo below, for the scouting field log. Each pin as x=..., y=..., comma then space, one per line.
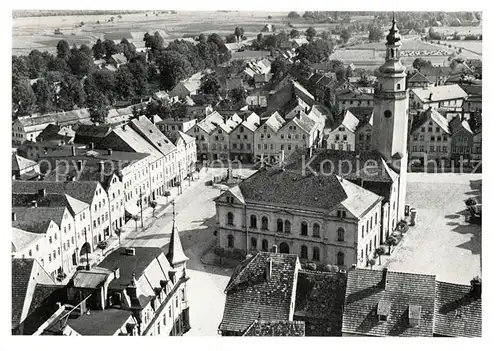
x=303, y=228
x=340, y=258
x=284, y=248
x=253, y=243
x=264, y=245
x=230, y=218
x=287, y=226
x=316, y=254
x=265, y=223
x=316, y=230
x=303, y=252
x=279, y=225
x=30, y=253
x=340, y=234
x=253, y=221
x=230, y=241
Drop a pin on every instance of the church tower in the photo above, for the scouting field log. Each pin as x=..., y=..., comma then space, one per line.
x=390, y=114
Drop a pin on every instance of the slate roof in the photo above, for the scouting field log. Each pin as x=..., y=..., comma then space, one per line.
x=276, y=328
x=119, y=58
x=439, y=93
x=151, y=133
x=274, y=185
x=54, y=132
x=82, y=190
x=62, y=118
x=43, y=305
x=21, y=275
x=369, y=291
x=345, y=163
x=456, y=124
x=93, y=131
x=175, y=253
x=129, y=265
x=249, y=294
x=136, y=142
x=100, y=322
x=457, y=312
x=349, y=120
x=37, y=219
x=419, y=78
x=275, y=122
x=319, y=301
x=305, y=123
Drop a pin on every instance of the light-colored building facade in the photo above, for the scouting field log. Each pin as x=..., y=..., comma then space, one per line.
x=444, y=97
x=343, y=134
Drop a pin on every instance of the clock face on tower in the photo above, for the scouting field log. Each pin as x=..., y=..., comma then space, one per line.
x=387, y=113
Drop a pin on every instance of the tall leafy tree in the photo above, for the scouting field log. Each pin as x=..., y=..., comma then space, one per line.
x=210, y=84
x=345, y=35
x=20, y=69
x=45, y=95
x=63, y=49
x=111, y=48
x=376, y=34
x=71, y=93
x=23, y=98
x=98, y=106
x=173, y=68
x=294, y=33
x=124, y=83
x=99, y=49
x=80, y=61
x=238, y=32
x=37, y=64
x=311, y=32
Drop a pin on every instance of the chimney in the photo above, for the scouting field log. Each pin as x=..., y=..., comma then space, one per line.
x=130, y=251
x=274, y=249
x=101, y=166
x=430, y=96
x=384, y=278
x=73, y=151
x=79, y=165
x=91, y=146
x=34, y=204
x=42, y=192
x=475, y=288
x=110, y=151
x=14, y=217
x=269, y=269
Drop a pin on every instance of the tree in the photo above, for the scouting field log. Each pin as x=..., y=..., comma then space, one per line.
x=238, y=95
x=63, y=49
x=128, y=49
x=294, y=33
x=20, y=69
x=153, y=205
x=124, y=83
x=311, y=33
x=99, y=50
x=293, y=15
x=269, y=17
x=37, y=63
x=345, y=35
x=231, y=38
x=119, y=232
x=139, y=71
x=326, y=35
x=210, y=84
x=80, y=61
x=111, y=48
x=376, y=34
x=152, y=108
x=98, y=107
x=371, y=262
x=57, y=64
x=71, y=93
x=45, y=95
x=173, y=67
x=278, y=67
x=23, y=98
x=391, y=241
x=271, y=41
x=135, y=218
x=420, y=63
x=167, y=194
x=202, y=38
x=364, y=80
x=379, y=251
x=238, y=32
x=313, y=52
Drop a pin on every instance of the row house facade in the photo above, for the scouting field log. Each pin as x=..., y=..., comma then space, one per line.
x=241, y=139
x=353, y=98
x=343, y=134
x=321, y=232
x=56, y=245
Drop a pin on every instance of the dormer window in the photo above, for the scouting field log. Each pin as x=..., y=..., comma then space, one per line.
x=414, y=313
x=383, y=310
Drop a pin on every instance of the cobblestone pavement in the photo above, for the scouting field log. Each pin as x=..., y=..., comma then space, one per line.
x=442, y=242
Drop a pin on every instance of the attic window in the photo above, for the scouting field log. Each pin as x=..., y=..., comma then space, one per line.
x=383, y=310
x=151, y=131
x=414, y=313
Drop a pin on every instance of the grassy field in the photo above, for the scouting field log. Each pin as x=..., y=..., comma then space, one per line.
x=472, y=45
x=460, y=30
x=407, y=45
x=38, y=32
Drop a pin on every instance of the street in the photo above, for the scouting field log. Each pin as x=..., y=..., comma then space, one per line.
x=195, y=220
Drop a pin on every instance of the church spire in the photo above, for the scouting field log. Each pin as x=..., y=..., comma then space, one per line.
x=175, y=252
x=393, y=37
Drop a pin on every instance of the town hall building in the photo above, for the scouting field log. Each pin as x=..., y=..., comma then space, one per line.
x=329, y=206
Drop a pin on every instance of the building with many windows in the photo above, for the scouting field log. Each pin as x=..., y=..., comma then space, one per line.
x=343, y=133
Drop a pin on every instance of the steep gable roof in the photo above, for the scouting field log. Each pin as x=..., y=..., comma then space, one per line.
x=250, y=293
x=21, y=277
x=458, y=312
x=20, y=163
x=418, y=78
x=82, y=190
x=370, y=292
x=152, y=134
